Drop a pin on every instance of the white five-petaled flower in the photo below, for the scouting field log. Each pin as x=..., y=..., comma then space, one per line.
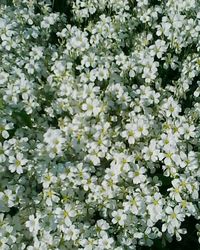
x=16, y=163
x=91, y=107
x=119, y=217
x=130, y=133
x=66, y=214
x=137, y=174
x=170, y=107
x=174, y=218
x=155, y=204
x=33, y=224
x=151, y=152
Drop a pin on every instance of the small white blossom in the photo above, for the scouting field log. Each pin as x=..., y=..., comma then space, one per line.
x=33, y=224
x=17, y=163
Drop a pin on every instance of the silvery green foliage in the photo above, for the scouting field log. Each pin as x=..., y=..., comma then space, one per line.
x=99, y=123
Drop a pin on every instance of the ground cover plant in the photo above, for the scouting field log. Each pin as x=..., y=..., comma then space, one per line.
x=99, y=124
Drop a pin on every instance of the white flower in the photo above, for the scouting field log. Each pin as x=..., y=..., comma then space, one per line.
x=91, y=107
x=36, y=52
x=48, y=179
x=4, y=126
x=170, y=156
x=175, y=192
x=102, y=74
x=71, y=233
x=102, y=225
x=66, y=214
x=170, y=107
x=189, y=131
x=158, y=49
x=174, y=219
x=88, y=243
x=49, y=20
x=7, y=199
x=3, y=77
x=130, y=133
x=178, y=233
x=119, y=217
x=79, y=41
x=137, y=175
x=17, y=163
x=105, y=242
x=154, y=206
x=121, y=163
x=168, y=140
x=151, y=152
x=55, y=141
x=59, y=67
x=33, y=224
x=142, y=128
x=134, y=204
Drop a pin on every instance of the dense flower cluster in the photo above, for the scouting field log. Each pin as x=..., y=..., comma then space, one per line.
x=99, y=123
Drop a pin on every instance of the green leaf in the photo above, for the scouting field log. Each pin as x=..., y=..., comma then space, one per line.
x=22, y=119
